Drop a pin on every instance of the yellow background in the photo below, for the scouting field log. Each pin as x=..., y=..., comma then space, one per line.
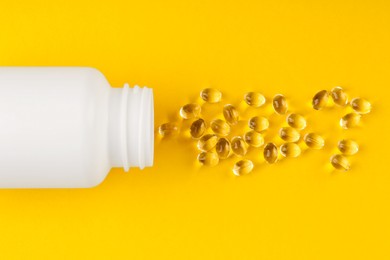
x=296, y=209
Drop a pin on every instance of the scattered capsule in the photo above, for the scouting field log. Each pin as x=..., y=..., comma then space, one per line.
x=231, y=114
x=198, y=128
x=339, y=96
x=211, y=95
x=314, y=141
x=254, y=138
x=258, y=123
x=279, y=104
x=297, y=121
x=340, y=162
x=223, y=148
x=320, y=99
x=208, y=158
x=289, y=134
x=242, y=167
x=207, y=142
x=190, y=111
x=254, y=99
x=290, y=150
x=239, y=147
x=361, y=105
x=348, y=147
x=220, y=127
x=270, y=153
x=350, y=120
x=168, y=129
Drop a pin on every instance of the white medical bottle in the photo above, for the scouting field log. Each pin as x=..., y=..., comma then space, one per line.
x=66, y=127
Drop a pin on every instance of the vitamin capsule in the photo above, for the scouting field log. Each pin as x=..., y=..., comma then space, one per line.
x=254, y=138
x=314, y=141
x=361, y=105
x=270, y=153
x=254, y=99
x=223, y=148
x=168, y=129
x=220, y=127
x=297, y=121
x=239, y=147
x=320, y=99
x=231, y=114
x=279, y=104
x=208, y=158
x=290, y=150
x=289, y=134
x=348, y=147
x=339, y=96
x=207, y=142
x=198, y=128
x=190, y=111
x=258, y=123
x=242, y=167
x=340, y=162
x=350, y=120
x=211, y=95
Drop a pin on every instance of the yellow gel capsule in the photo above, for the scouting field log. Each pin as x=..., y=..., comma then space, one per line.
x=231, y=114
x=296, y=121
x=211, y=95
x=339, y=96
x=361, y=105
x=350, y=120
x=289, y=134
x=220, y=127
x=239, y=147
x=340, y=162
x=320, y=100
x=242, y=167
x=198, y=128
x=314, y=141
x=258, y=123
x=348, y=147
x=223, y=148
x=207, y=142
x=254, y=138
x=208, y=158
x=279, y=103
x=254, y=99
x=168, y=129
x=190, y=111
x=290, y=150
x=270, y=153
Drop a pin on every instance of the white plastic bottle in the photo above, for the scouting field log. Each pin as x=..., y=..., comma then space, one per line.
x=66, y=127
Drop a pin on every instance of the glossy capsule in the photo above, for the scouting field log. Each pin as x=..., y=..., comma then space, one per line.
x=198, y=128
x=223, y=148
x=361, y=105
x=270, y=153
x=254, y=138
x=231, y=114
x=242, y=167
x=190, y=111
x=290, y=150
x=168, y=129
x=314, y=141
x=279, y=103
x=350, y=120
x=258, y=123
x=211, y=95
x=320, y=100
x=348, y=147
x=220, y=127
x=296, y=121
x=207, y=142
x=339, y=96
x=254, y=99
x=289, y=134
x=340, y=162
x=239, y=147
x=208, y=158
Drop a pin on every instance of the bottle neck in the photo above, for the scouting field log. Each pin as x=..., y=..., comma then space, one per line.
x=131, y=127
